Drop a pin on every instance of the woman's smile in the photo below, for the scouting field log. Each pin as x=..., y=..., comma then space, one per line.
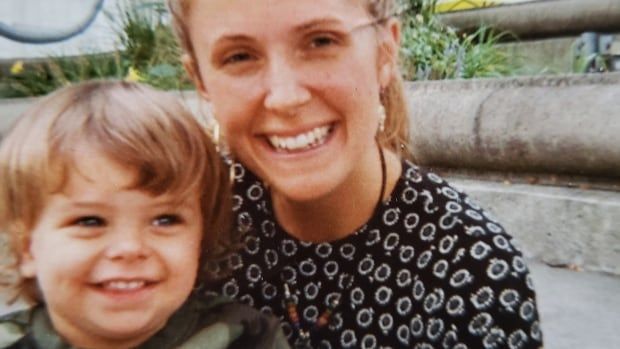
x=301, y=141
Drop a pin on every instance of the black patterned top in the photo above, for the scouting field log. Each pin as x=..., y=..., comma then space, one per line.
x=430, y=269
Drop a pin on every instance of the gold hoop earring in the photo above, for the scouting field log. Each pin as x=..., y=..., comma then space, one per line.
x=382, y=117
x=232, y=175
x=204, y=115
x=215, y=133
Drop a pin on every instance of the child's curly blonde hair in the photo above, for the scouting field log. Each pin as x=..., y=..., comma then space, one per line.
x=138, y=127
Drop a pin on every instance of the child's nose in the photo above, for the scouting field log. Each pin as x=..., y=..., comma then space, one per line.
x=128, y=245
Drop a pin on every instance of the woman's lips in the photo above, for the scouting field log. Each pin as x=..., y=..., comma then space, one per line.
x=302, y=141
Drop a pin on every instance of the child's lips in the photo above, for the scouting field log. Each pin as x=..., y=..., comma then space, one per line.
x=124, y=285
x=121, y=285
x=126, y=293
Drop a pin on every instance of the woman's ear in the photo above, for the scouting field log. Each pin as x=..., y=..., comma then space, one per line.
x=191, y=67
x=388, y=51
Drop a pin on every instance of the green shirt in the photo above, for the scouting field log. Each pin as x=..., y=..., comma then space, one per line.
x=201, y=323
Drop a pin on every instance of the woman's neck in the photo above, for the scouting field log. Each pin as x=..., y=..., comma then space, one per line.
x=342, y=211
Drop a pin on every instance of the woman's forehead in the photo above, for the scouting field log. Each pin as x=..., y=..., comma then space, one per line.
x=216, y=18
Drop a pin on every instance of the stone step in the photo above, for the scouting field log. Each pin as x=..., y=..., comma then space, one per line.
x=577, y=309
x=555, y=225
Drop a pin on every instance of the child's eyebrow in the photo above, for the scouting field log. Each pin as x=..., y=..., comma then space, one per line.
x=173, y=203
x=86, y=204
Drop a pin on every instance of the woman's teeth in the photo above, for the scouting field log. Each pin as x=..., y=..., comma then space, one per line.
x=305, y=140
x=123, y=285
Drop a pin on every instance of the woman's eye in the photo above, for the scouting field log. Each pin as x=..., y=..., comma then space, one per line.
x=166, y=220
x=89, y=221
x=320, y=41
x=239, y=57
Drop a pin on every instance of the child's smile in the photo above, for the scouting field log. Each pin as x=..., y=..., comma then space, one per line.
x=125, y=289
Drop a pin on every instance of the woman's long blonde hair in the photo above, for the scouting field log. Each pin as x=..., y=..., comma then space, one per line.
x=396, y=132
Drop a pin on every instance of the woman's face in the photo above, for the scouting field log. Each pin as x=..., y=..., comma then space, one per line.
x=295, y=87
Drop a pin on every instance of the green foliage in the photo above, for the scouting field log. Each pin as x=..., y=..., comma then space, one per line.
x=147, y=52
x=40, y=78
x=592, y=63
x=431, y=50
x=150, y=46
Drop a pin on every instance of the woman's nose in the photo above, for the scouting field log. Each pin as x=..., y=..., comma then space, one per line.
x=127, y=244
x=285, y=88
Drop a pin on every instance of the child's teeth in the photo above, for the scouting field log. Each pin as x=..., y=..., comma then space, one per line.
x=306, y=140
x=124, y=285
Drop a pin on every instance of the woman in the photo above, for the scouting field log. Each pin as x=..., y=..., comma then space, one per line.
x=346, y=240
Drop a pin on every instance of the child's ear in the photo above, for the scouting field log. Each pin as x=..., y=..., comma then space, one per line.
x=191, y=67
x=27, y=265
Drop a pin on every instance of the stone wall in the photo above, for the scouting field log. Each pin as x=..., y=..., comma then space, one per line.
x=511, y=128
x=555, y=124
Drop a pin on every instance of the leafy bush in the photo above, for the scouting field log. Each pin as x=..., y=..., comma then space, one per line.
x=431, y=50
x=150, y=46
x=147, y=52
x=39, y=78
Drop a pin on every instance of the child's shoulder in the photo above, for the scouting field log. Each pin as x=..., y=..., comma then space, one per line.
x=14, y=328
x=220, y=322
x=202, y=322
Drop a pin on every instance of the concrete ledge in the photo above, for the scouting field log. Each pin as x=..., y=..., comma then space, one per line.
x=558, y=124
x=542, y=18
x=550, y=124
x=558, y=226
x=578, y=310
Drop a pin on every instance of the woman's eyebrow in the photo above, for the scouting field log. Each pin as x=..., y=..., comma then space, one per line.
x=232, y=38
x=316, y=23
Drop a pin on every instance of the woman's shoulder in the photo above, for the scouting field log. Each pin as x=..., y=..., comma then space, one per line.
x=464, y=258
x=430, y=195
x=453, y=233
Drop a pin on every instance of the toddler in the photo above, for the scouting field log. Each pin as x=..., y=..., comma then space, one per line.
x=112, y=197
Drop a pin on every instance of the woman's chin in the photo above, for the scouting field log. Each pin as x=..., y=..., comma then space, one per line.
x=300, y=191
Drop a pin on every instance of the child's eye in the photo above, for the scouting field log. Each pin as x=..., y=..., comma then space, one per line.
x=89, y=221
x=166, y=220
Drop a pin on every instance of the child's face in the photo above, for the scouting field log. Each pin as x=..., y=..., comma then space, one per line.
x=113, y=264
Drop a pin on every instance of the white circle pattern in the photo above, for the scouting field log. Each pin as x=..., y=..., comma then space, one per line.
x=429, y=270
